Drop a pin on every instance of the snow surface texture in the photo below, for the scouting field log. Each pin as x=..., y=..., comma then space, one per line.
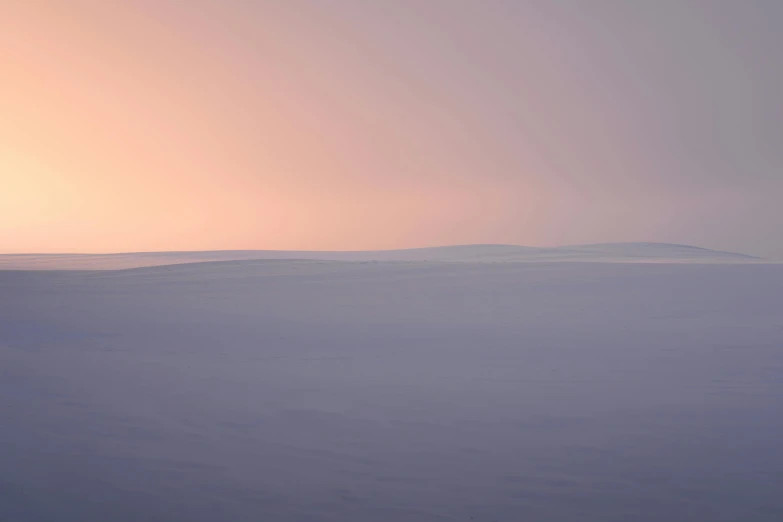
x=313, y=390
x=610, y=252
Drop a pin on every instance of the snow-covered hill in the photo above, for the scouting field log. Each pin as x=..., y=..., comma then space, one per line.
x=609, y=252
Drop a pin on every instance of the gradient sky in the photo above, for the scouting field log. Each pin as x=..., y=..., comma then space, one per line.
x=355, y=124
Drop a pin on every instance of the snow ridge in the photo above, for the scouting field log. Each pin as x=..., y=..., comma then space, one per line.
x=488, y=253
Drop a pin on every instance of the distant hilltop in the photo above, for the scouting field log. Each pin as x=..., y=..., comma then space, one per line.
x=597, y=253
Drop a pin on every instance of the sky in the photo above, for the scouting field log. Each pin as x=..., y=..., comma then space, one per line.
x=139, y=125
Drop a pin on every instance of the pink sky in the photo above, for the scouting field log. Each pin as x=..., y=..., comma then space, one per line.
x=185, y=125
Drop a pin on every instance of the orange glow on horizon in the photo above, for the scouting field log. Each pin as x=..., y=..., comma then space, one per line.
x=125, y=131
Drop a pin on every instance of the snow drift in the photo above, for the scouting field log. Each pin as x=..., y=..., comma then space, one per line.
x=313, y=390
